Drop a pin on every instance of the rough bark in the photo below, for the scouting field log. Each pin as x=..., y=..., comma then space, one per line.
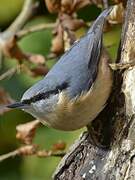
x=107, y=150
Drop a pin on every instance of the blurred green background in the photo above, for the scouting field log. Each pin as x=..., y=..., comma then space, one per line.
x=33, y=168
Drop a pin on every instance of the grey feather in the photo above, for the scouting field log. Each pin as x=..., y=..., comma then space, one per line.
x=78, y=66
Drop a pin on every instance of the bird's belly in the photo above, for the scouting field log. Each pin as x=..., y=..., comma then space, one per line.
x=79, y=112
x=76, y=114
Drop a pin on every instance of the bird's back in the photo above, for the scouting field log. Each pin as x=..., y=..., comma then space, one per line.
x=78, y=66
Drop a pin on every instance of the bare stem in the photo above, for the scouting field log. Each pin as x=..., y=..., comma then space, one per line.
x=22, y=17
x=41, y=154
x=8, y=155
x=121, y=66
x=8, y=73
x=32, y=29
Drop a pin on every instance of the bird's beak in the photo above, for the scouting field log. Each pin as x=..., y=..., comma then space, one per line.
x=18, y=105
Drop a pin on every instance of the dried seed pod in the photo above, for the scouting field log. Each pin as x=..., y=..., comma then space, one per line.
x=44, y=153
x=53, y=5
x=11, y=49
x=57, y=42
x=57, y=45
x=40, y=70
x=4, y=99
x=71, y=22
x=69, y=38
x=26, y=132
x=74, y=24
x=67, y=6
x=36, y=58
x=28, y=150
x=59, y=146
x=117, y=14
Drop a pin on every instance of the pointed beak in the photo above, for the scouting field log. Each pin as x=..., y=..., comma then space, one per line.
x=18, y=105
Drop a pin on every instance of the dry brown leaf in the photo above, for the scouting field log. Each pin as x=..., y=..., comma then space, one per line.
x=57, y=42
x=36, y=58
x=28, y=150
x=44, y=153
x=11, y=49
x=117, y=14
x=66, y=6
x=40, y=70
x=69, y=38
x=53, y=5
x=71, y=23
x=26, y=132
x=66, y=21
x=60, y=146
x=67, y=43
x=5, y=99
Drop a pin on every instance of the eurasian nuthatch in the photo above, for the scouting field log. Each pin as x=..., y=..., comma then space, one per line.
x=76, y=89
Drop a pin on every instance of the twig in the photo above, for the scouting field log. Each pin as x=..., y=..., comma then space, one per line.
x=8, y=73
x=50, y=153
x=8, y=35
x=30, y=150
x=33, y=29
x=8, y=155
x=121, y=66
x=22, y=18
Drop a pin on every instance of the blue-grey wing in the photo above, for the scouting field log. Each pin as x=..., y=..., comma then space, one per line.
x=78, y=66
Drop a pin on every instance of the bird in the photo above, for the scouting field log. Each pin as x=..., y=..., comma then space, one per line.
x=77, y=87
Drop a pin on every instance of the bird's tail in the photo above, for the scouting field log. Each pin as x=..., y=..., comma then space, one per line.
x=96, y=33
x=99, y=22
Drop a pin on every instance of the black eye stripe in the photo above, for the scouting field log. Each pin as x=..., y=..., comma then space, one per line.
x=46, y=94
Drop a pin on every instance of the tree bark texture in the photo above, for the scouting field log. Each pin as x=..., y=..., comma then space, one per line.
x=107, y=150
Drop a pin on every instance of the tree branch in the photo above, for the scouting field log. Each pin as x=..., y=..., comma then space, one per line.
x=33, y=29
x=22, y=18
x=8, y=73
x=9, y=155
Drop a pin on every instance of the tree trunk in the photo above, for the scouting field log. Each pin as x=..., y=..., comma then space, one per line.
x=107, y=150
